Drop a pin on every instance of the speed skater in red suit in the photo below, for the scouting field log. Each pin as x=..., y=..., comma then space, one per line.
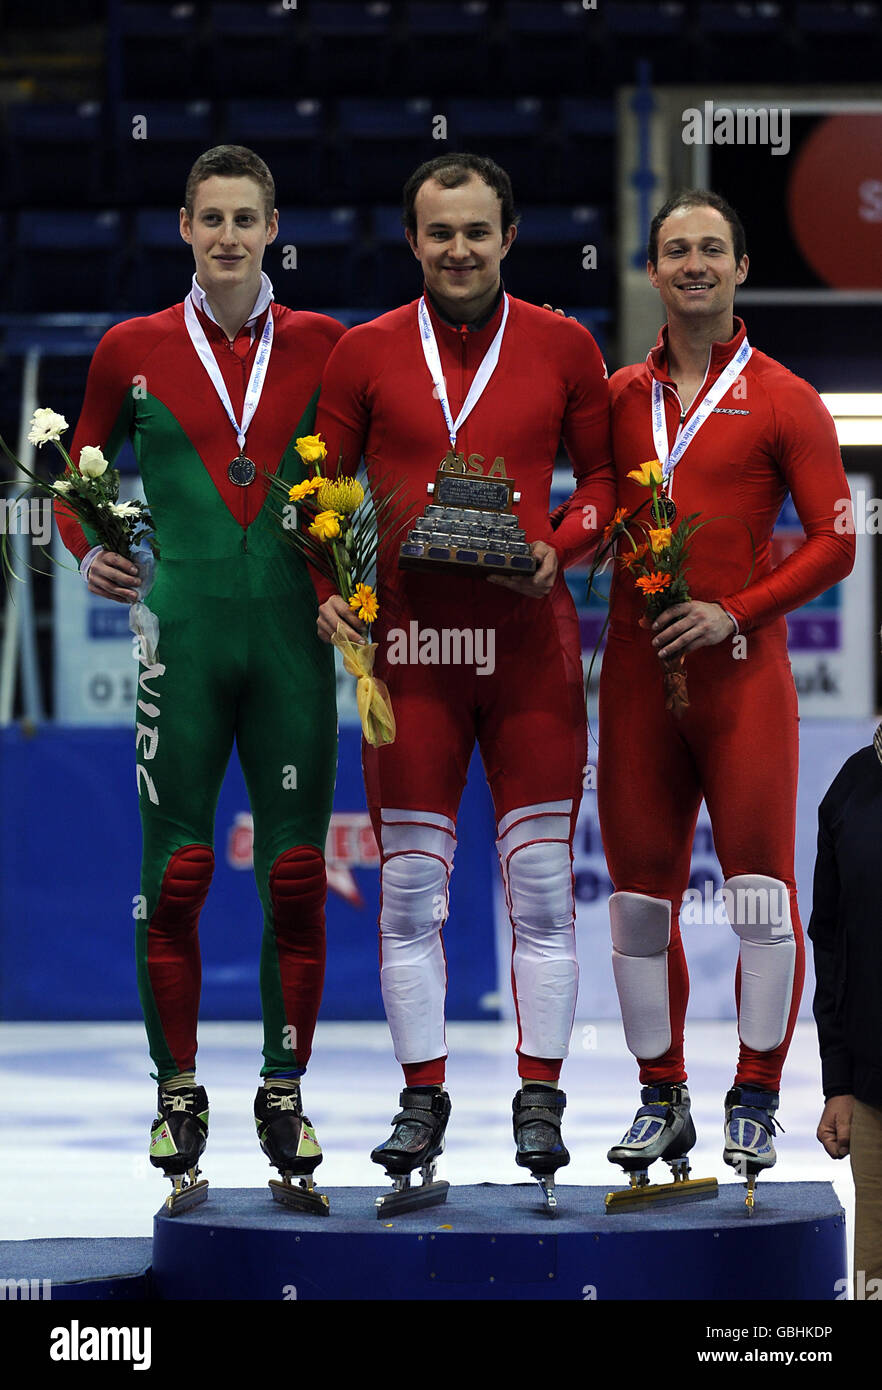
x=735, y=432
x=510, y=381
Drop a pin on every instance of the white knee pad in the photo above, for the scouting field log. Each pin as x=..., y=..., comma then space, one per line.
x=534, y=852
x=418, y=856
x=641, y=933
x=758, y=909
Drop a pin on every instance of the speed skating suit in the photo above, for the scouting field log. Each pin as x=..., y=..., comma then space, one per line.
x=524, y=703
x=737, y=743
x=238, y=658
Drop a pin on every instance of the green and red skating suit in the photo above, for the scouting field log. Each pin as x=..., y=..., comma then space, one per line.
x=238, y=659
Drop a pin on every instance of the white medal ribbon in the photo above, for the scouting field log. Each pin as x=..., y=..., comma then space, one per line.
x=482, y=376
x=686, y=433
x=209, y=362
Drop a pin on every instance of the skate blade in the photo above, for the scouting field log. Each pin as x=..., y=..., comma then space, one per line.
x=428, y=1194
x=751, y=1193
x=653, y=1194
x=186, y=1196
x=300, y=1198
x=546, y=1184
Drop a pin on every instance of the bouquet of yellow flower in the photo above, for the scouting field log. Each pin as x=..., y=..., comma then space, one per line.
x=91, y=492
x=340, y=539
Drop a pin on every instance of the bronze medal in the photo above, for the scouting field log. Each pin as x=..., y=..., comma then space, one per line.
x=241, y=471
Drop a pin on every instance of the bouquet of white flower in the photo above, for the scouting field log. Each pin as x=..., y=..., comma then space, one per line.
x=91, y=493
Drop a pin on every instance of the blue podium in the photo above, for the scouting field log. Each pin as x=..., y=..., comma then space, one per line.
x=498, y=1242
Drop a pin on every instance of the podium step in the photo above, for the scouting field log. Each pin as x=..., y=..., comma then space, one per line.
x=495, y=1241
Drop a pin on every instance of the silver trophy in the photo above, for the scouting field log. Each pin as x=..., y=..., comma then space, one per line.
x=468, y=526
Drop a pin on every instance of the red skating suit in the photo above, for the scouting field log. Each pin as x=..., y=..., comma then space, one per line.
x=737, y=744
x=521, y=697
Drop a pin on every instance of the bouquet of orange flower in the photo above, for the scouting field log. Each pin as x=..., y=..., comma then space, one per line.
x=656, y=560
x=341, y=537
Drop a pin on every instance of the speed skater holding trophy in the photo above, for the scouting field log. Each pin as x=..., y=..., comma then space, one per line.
x=468, y=385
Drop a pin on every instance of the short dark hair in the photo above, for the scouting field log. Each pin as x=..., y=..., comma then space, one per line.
x=231, y=162
x=451, y=170
x=697, y=198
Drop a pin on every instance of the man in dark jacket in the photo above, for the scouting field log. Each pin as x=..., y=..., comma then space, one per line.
x=846, y=934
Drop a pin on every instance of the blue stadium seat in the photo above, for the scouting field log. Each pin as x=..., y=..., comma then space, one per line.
x=159, y=50
x=312, y=262
x=585, y=148
x=55, y=152
x=289, y=135
x=840, y=19
x=554, y=42
x=67, y=261
x=396, y=275
x=749, y=37
x=352, y=46
x=153, y=157
x=511, y=131
x=645, y=18
x=160, y=264
x=751, y=17
x=380, y=142
x=848, y=35
x=255, y=49
x=63, y=382
x=546, y=262
x=434, y=30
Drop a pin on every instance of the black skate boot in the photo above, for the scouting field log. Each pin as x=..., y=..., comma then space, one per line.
x=177, y=1142
x=416, y=1141
x=748, y=1129
x=536, y=1114
x=662, y=1128
x=288, y=1140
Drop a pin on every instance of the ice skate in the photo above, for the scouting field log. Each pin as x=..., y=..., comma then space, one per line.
x=288, y=1140
x=662, y=1128
x=177, y=1142
x=416, y=1141
x=748, y=1131
x=536, y=1117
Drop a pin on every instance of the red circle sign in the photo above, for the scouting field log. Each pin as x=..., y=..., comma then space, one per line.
x=835, y=201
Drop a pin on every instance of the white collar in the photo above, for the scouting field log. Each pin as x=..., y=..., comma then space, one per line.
x=264, y=297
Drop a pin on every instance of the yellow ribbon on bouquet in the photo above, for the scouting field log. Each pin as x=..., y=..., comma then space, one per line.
x=371, y=694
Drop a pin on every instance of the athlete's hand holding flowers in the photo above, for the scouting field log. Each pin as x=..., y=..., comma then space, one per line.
x=339, y=533
x=657, y=559
x=91, y=492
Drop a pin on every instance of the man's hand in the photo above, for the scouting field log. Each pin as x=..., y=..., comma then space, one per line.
x=541, y=582
x=834, y=1130
x=111, y=576
x=335, y=609
x=560, y=313
x=687, y=626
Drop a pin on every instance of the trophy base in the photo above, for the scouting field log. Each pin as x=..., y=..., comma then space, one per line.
x=415, y=556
